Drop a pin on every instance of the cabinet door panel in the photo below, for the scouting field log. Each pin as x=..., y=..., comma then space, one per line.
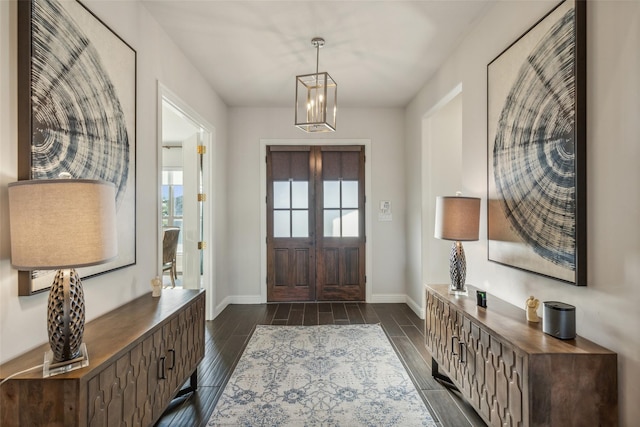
x=432, y=326
x=146, y=380
x=503, y=401
x=477, y=375
x=120, y=392
x=172, y=344
x=158, y=363
x=466, y=358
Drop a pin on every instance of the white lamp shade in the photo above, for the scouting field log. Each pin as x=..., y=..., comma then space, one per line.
x=62, y=223
x=457, y=218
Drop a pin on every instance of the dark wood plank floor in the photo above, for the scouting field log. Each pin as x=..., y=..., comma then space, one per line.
x=227, y=336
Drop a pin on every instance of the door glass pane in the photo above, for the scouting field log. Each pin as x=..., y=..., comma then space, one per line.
x=175, y=177
x=349, y=194
x=350, y=223
x=178, y=198
x=281, y=222
x=332, y=223
x=300, y=223
x=281, y=195
x=331, y=194
x=300, y=195
x=165, y=203
x=178, y=223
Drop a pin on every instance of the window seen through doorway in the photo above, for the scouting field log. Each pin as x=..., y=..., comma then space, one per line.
x=172, y=199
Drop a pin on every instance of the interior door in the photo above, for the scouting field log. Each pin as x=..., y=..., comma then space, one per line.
x=192, y=208
x=315, y=223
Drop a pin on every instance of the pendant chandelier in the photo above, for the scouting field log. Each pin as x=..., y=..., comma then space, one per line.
x=316, y=98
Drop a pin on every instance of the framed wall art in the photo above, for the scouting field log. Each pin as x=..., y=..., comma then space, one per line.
x=77, y=112
x=536, y=137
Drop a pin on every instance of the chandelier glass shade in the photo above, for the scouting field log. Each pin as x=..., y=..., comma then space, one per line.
x=316, y=98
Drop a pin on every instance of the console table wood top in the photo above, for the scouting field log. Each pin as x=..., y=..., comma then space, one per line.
x=109, y=335
x=509, y=322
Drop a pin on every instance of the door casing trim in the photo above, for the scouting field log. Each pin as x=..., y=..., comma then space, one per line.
x=367, y=206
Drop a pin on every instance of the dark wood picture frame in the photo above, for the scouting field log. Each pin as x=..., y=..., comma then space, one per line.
x=536, y=142
x=77, y=113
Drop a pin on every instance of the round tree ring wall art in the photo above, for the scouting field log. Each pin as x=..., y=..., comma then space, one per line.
x=536, y=113
x=76, y=112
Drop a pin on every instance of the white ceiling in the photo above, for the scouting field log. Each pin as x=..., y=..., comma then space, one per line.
x=379, y=52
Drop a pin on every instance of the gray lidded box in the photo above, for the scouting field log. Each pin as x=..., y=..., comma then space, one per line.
x=559, y=320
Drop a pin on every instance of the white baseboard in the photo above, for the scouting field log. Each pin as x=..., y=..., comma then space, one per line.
x=417, y=308
x=246, y=299
x=237, y=299
x=223, y=304
x=387, y=298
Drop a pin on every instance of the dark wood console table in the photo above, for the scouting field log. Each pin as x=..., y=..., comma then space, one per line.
x=140, y=355
x=511, y=372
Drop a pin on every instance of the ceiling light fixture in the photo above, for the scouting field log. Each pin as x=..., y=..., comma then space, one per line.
x=316, y=98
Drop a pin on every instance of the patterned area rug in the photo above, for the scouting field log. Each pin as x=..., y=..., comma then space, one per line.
x=330, y=375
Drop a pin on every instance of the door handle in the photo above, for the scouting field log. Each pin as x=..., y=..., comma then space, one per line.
x=463, y=350
x=453, y=348
x=161, y=368
x=173, y=359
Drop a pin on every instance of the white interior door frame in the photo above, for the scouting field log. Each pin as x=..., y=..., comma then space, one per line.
x=370, y=283
x=208, y=140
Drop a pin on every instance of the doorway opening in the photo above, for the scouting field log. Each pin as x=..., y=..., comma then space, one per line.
x=441, y=172
x=184, y=187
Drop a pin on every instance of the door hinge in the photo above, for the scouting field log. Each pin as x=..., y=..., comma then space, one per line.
x=201, y=149
x=202, y=245
x=202, y=197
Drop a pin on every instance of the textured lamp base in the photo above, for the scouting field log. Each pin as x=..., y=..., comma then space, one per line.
x=457, y=270
x=51, y=367
x=65, y=316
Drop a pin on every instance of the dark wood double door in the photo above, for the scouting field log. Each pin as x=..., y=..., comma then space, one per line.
x=315, y=223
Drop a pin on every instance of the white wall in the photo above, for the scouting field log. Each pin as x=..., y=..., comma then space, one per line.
x=23, y=319
x=607, y=309
x=384, y=127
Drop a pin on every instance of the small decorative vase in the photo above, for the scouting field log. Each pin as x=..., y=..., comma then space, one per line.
x=156, y=287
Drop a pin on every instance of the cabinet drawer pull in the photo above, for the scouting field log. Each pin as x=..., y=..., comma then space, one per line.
x=453, y=348
x=463, y=350
x=161, y=368
x=173, y=358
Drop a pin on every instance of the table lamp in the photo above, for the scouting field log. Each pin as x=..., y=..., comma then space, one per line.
x=62, y=224
x=457, y=219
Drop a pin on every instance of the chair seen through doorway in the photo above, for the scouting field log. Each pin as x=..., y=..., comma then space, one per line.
x=169, y=250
